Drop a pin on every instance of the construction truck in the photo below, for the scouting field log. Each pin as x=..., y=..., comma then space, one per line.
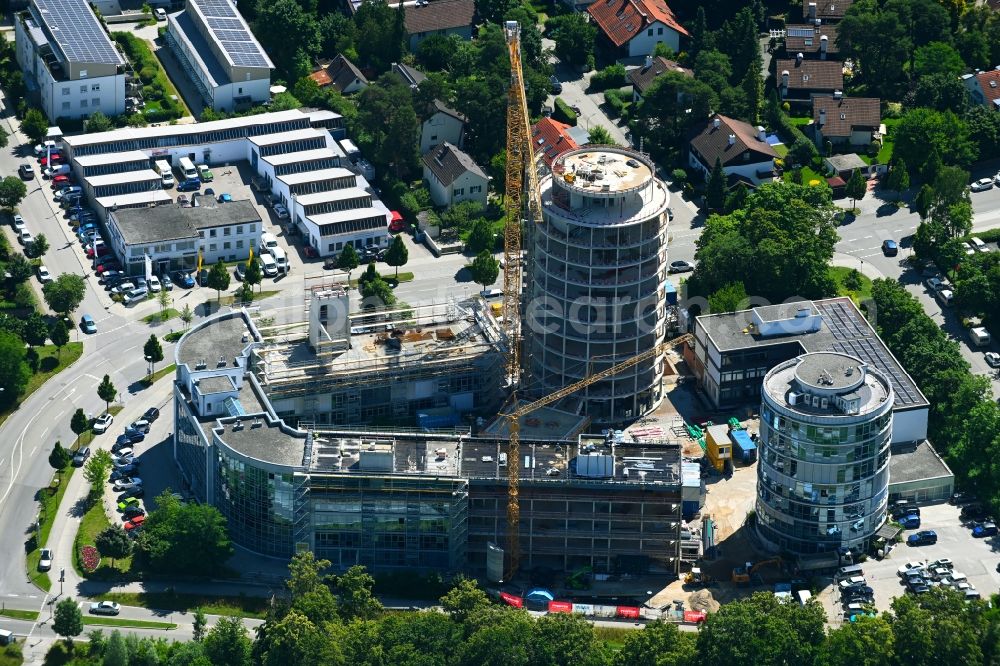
x=696, y=577
x=744, y=573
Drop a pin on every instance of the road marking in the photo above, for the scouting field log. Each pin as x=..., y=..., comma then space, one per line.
x=2, y=461
x=32, y=451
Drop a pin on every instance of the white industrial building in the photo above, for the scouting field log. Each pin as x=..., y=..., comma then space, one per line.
x=293, y=155
x=220, y=55
x=71, y=68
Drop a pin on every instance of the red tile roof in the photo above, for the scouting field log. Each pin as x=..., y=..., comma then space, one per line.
x=550, y=139
x=823, y=75
x=621, y=20
x=846, y=114
x=990, y=92
x=713, y=143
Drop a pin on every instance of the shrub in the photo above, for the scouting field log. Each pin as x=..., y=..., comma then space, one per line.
x=563, y=113
x=90, y=559
x=679, y=176
x=147, y=74
x=615, y=101
x=612, y=76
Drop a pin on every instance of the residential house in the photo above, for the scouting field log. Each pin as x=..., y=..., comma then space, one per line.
x=438, y=17
x=410, y=76
x=643, y=77
x=637, y=26
x=845, y=120
x=845, y=165
x=742, y=149
x=984, y=88
x=814, y=42
x=800, y=80
x=342, y=74
x=550, y=138
x=453, y=176
x=825, y=11
x=442, y=124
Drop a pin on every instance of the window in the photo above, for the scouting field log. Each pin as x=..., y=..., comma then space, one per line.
x=659, y=31
x=227, y=231
x=212, y=247
x=211, y=233
x=94, y=87
x=649, y=32
x=83, y=73
x=65, y=90
x=240, y=90
x=202, y=233
x=227, y=246
x=434, y=137
x=239, y=229
x=83, y=89
x=459, y=192
x=83, y=103
x=252, y=228
x=95, y=101
x=65, y=106
x=239, y=245
x=475, y=189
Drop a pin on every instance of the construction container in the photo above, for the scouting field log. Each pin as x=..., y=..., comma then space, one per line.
x=671, y=293
x=718, y=446
x=435, y=419
x=743, y=446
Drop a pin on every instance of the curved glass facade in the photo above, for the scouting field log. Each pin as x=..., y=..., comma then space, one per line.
x=822, y=477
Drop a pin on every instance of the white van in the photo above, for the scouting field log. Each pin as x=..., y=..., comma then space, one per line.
x=268, y=242
x=491, y=293
x=186, y=167
x=280, y=259
x=163, y=168
x=980, y=336
x=945, y=297
x=978, y=244
x=268, y=266
x=56, y=170
x=804, y=596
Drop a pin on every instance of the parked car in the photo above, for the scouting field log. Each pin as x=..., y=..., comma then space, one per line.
x=126, y=483
x=968, y=249
x=205, y=174
x=105, y=608
x=992, y=359
x=281, y=211
x=151, y=414
x=135, y=522
x=190, y=185
x=26, y=171
x=972, y=511
x=960, y=498
x=167, y=283
x=555, y=85
x=922, y=538
x=124, y=453
x=140, y=425
x=19, y=225
x=184, y=279
x=240, y=271
x=910, y=522
x=910, y=566
x=984, y=530
x=121, y=443
x=45, y=559
x=153, y=284
x=68, y=191
x=81, y=456
x=125, y=503
x=934, y=284
x=43, y=274
x=135, y=295
x=133, y=511
x=135, y=434
x=102, y=422
x=681, y=266
x=122, y=472
x=123, y=287
x=133, y=493
x=225, y=197
x=982, y=185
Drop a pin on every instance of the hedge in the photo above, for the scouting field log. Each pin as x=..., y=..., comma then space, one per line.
x=612, y=76
x=563, y=113
x=615, y=101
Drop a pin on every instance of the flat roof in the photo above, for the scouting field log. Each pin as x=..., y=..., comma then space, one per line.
x=917, y=462
x=377, y=208
x=287, y=137
x=600, y=168
x=112, y=158
x=132, y=198
x=844, y=329
x=123, y=177
x=219, y=336
x=217, y=384
x=135, y=133
x=231, y=33
x=316, y=176
x=332, y=195
x=164, y=223
x=543, y=423
x=266, y=441
x=304, y=156
x=77, y=32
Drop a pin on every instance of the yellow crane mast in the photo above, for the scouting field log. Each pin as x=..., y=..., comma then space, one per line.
x=520, y=167
x=514, y=426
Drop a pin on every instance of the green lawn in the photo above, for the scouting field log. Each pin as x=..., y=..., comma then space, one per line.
x=165, y=315
x=885, y=154
x=50, y=363
x=11, y=654
x=781, y=149
x=162, y=372
x=19, y=614
x=807, y=175
x=839, y=275
x=174, y=336
x=390, y=277
x=255, y=607
x=257, y=296
x=800, y=122
x=91, y=620
x=49, y=500
x=94, y=522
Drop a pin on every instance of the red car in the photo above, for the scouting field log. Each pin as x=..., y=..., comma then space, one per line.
x=56, y=157
x=397, y=223
x=101, y=247
x=61, y=181
x=310, y=251
x=135, y=522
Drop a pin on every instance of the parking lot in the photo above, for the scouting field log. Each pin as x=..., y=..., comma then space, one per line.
x=976, y=558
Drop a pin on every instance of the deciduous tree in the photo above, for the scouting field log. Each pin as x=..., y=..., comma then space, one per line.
x=152, y=351
x=64, y=294
x=113, y=542
x=59, y=334
x=348, y=260
x=12, y=191
x=35, y=126
x=107, y=392
x=14, y=372
x=218, y=279
x=485, y=269
x=397, y=254
x=68, y=620
x=59, y=457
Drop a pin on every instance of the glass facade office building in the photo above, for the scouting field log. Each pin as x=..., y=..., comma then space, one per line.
x=823, y=476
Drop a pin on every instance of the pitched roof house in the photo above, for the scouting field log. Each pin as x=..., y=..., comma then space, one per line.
x=642, y=77
x=637, y=26
x=742, y=149
x=453, y=176
x=342, y=75
x=550, y=138
x=812, y=41
x=800, y=80
x=439, y=17
x=984, y=88
x=825, y=10
x=850, y=120
x=441, y=123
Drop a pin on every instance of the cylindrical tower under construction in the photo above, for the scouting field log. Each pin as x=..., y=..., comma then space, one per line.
x=598, y=264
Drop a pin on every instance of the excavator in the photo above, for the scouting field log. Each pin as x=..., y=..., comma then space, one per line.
x=745, y=573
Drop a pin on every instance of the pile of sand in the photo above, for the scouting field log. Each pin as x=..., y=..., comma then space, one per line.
x=702, y=600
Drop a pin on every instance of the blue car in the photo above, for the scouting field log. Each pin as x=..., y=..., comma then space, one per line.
x=189, y=185
x=134, y=435
x=911, y=522
x=225, y=197
x=183, y=279
x=924, y=537
x=890, y=248
x=984, y=530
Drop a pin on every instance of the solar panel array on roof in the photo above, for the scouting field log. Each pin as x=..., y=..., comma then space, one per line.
x=232, y=34
x=855, y=338
x=78, y=32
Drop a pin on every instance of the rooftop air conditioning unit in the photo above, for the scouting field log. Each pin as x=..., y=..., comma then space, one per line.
x=793, y=398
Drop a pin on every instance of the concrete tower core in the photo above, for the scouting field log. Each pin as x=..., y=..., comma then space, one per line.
x=595, y=296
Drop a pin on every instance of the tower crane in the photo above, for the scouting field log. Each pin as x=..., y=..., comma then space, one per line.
x=519, y=195
x=514, y=428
